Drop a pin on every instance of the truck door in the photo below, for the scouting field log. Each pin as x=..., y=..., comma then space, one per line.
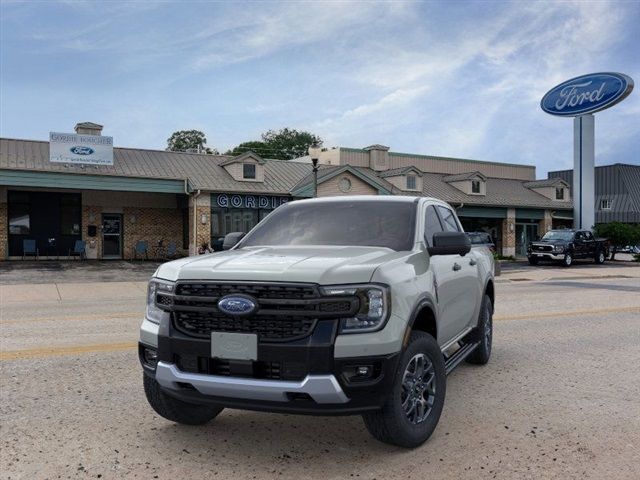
x=456, y=277
x=589, y=245
x=580, y=247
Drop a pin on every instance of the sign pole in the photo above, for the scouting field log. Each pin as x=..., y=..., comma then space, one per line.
x=583, y=172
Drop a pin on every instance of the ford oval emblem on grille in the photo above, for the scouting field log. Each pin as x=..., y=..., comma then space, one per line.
x=237, y=305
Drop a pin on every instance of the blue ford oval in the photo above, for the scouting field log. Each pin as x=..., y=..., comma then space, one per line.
x=78, y=150
x=587, y=94
x=237, y=305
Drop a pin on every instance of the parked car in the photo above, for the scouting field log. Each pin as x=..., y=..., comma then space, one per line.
x=328, y=306
x=565, y=246
x=482, y=239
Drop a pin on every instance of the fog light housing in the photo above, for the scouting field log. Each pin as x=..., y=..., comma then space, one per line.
x=150, y=357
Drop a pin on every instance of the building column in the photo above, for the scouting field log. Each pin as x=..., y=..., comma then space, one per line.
x=509, y=234
x=200, y=213
x=4, y=227
x=92, y=215
x=545, y=224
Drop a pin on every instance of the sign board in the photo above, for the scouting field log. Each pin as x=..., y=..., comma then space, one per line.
x=80, y=149
x=587, y=94
x=225, y=200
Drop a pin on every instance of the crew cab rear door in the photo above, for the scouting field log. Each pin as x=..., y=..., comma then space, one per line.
x=455, y=277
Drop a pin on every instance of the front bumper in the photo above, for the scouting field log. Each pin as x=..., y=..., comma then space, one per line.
x=546, y=256
x=300, y=376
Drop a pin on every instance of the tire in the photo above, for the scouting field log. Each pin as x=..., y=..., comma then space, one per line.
x=568, y=260
x=176, y=410
x=600, y=257
x=482, y=353
x=409, y=430
x=532, y=260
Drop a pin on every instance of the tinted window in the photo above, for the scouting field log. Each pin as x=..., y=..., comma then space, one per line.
x=356, y=223
x=558, y=235
x=588, y=236
x=431, y=225
x=448, y=220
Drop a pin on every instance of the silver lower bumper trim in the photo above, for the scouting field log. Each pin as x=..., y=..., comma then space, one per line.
x=321, y=388
x=547, y=255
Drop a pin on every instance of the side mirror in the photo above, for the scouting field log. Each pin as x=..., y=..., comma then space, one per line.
x=450, y=243
x=231, y=239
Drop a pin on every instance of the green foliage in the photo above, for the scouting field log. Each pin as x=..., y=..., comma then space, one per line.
x=283, y=144
x=619, y=234
x=255, y=146
x=184, y=140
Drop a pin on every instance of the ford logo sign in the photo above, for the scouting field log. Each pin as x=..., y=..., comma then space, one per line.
x=237, y=305
x=587, y=94
x=81, y=150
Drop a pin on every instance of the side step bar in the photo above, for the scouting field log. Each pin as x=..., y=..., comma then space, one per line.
x=454, y=360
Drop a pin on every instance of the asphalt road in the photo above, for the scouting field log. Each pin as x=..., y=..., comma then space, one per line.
x=559, y=398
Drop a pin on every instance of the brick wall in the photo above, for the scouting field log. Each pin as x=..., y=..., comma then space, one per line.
x=509, y=233
x=152, y=225
x=4, y=237
x=203, y=230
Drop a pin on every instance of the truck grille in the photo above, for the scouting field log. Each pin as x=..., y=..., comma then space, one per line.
x=543, y=248
x=285, y=311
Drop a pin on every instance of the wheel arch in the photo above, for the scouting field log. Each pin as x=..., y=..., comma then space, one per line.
x=423, y=319
x=489, y=289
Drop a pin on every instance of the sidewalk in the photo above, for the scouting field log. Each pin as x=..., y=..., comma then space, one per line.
x=70, y=292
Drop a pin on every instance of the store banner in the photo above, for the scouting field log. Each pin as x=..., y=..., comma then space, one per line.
x=80, y=149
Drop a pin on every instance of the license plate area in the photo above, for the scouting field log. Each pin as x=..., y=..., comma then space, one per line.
x=234, y=346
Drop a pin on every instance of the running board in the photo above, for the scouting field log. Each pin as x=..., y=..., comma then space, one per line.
x=454, y=360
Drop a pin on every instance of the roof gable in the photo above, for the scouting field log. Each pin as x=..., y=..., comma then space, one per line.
x=305, y=187
x=395, y=172
x=459, y=177
x=243, y=157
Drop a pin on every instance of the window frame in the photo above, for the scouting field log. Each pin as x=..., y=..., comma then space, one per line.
x=607, y=202
x=477, y=182
x=443, y=221
x=244, y=171
x=429, y=241
x=414, y=179
x=559, y=193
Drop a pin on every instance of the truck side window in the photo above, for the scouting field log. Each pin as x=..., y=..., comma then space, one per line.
x=431, y=225
x=448, y=220
x=587, y=236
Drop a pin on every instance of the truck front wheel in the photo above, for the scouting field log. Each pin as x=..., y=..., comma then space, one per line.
x=600, y=257
x=567, y=261
x=174, y=409
x=413, y=408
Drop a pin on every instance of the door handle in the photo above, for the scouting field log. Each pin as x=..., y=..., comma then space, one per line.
x=456, y=267
x=472, y=262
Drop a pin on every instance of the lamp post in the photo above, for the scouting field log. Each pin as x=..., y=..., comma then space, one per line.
x=314, y=153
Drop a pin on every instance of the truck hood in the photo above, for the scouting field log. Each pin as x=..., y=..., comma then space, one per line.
x=322, y=265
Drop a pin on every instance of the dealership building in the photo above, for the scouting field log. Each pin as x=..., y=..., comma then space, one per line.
x=78, y=187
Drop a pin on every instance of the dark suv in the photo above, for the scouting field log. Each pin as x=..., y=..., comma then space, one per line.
x=566, y=245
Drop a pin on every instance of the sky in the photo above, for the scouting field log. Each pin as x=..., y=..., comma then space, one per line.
x=451, y=78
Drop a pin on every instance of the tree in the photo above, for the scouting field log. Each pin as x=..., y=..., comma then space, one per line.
x=619, y=234
x=283, y=144
x=184, y=140
x=255, y=146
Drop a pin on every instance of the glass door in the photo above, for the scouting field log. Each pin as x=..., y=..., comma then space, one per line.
x=111, y=235
x=525, y=233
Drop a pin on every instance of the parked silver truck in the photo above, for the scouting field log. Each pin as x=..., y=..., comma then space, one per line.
x=333, y=306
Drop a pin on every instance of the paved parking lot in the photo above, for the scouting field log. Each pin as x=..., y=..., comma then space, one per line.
x=559, y=398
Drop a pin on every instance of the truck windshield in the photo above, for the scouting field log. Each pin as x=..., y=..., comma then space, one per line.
x=557, y=235
x=350, y=223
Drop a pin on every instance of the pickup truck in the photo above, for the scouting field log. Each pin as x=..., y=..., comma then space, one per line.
x=565, y=246
x=334, y=306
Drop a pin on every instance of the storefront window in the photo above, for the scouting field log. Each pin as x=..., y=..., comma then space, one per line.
x=19, y=220
x=70, y=214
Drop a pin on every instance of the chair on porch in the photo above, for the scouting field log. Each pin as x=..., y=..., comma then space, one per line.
x=141, y=248
x=172, y=250
x=79, y=249
x=29, y=248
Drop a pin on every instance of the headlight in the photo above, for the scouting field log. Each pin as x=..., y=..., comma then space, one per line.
x=559, y=248
x=373, y=311
x=155, y=314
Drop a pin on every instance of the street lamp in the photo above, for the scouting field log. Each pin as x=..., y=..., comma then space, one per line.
x=314, y=153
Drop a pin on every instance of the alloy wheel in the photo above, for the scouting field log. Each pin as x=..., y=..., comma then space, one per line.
x=418, y=389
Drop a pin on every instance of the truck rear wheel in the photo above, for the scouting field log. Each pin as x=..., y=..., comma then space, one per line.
x=174, y=409
x=413, y=408
x=481, y=354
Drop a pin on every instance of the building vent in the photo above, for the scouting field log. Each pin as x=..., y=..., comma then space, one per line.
x=88, y=128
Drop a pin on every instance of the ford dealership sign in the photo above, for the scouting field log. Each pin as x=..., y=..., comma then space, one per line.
x=80, y=149
x=587, y=94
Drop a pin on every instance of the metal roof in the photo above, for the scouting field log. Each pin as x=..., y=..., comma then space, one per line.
x=202, y=171
x=547, y=182
x=463, y=176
